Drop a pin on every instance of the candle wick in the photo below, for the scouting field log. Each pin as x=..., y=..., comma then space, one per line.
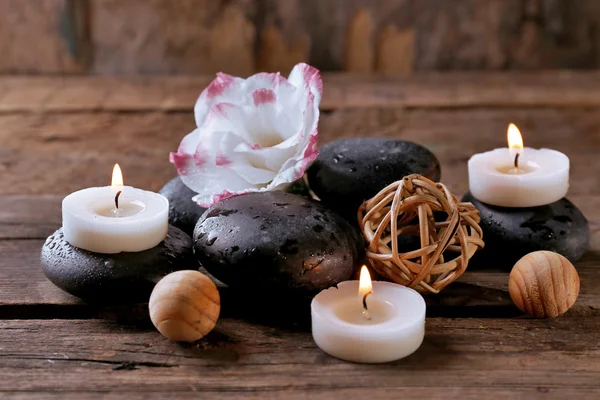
x=365, y=312
x=517, y=160
x=117, y=199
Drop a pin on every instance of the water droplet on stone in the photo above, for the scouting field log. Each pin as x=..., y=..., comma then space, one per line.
x=109, y=263
x=211, y=239
x=548, y=235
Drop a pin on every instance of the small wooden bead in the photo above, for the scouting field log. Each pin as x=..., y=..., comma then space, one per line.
x=544, y=284
x=184, y=306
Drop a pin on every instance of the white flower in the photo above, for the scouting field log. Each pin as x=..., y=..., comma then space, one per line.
x=253, y=134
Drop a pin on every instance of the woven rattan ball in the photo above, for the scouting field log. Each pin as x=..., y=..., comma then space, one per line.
x=449, y=233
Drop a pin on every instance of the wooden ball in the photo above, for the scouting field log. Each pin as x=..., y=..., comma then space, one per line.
x=544, y=284
x=184, y=306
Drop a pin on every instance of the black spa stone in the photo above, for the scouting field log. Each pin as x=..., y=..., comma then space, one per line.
x=183, y=212
x=277, y=241
x=510, y=233
x=114, y=278
x=350, y=171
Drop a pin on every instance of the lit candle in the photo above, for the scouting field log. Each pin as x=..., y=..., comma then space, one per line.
x=115, y=218
x=517, y=176
x=368, y=322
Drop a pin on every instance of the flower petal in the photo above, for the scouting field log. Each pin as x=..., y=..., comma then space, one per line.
x=237, y=160
x=220, y=90
x=199, y=170
x=263, y=96
x=303, y=75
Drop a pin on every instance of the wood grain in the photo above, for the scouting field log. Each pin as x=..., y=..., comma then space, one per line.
x=453, y=34
x=242, y=36
x=395, y=51
x=50, y=153
x=163, y=36
x=564, y=89
x=503, y=356
x=481, y=294
x=276, y=55
x=59, y=135
x=43, y=36
x=184, y=306
x=360, y=54
x=463, y=393
x=544, y=284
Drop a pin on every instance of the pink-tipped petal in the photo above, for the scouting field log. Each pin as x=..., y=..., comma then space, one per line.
x=263, y=96
x=222, y=160
x=304, y=75
x=218, y=86
x=221, y=89
x=201, y=156
x=181, y=162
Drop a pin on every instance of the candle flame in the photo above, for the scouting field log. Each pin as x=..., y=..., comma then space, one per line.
x=365, y=285
x=117, y=177
x=515, y=140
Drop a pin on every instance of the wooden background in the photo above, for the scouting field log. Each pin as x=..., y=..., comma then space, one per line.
x=391, y=37
x=62, y=134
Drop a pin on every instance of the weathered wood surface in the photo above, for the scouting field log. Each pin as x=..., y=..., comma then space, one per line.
x=26, y=293
x=391, y=37
x=163, y=36
x=564, y=89
x=536, y=359
x=43, y=36
x=57, y=153
x=59, y=135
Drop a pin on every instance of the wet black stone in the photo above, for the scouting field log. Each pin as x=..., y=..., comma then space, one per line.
x=277, y=241
x=114, y=278
x=183, y=212
x=350, y=171
x=510, y=233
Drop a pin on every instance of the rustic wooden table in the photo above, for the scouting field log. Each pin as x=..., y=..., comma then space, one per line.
x=61, y=134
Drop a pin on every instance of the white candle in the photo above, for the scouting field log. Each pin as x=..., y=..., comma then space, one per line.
x=392, y=326
x=92, y=221
x=535, y=177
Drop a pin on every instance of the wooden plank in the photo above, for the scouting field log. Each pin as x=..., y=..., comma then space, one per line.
x=77, y=150
x=163, y=36
x=359, y=55
x=203, y=36
x=43, y=36
x=450, y=35
x=275, y=54
x=563, y=89
x=463, y=393
x=46, y=156
x=531, y=358
x=73, y=94
x=60, y=153
x=482, y=294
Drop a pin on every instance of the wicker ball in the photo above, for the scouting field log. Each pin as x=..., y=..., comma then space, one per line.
x=448, y=238
x=184, y=306
x=544, y=284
